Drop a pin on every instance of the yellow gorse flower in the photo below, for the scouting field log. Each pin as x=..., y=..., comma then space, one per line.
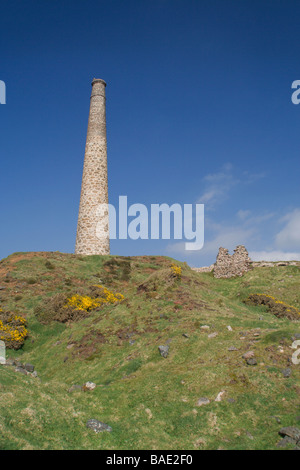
x=289, y=308
x=176, y=270
x=13, y=330
x=86, y=303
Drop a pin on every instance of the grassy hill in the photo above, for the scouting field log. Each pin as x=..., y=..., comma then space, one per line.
x=149, y=401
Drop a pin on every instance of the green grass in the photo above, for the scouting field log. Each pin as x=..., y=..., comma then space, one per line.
x=149, y=401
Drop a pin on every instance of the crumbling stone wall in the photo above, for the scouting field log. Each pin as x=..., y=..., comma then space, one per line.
x=224, y=261
x=232, y=265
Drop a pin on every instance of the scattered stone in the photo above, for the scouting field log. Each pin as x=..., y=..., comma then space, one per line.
x=249, y=435
x=290, y=431
x=34, y=374
x=66, y=359
x=248, y=355
x=10, y=362
x=29, y=367
x=57, y=343
x=70, y=346
x=98, y=426
x=287, y=373
x=164, y=351
x=2, y=287
x=229, y=328
x=203, y=401
x=75, y=388
x=296, y=336
x=204, y=327
x=185, y=335
x=285, y=442
x=231, y=400
x=212, y=335
x=21, y=370
x=278, y=420
x=232, y=348
x=219, y=396
x=251, y=362
x=89, y=386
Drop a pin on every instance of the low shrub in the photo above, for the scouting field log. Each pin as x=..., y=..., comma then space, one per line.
x=275, y=306
x=64, y=309
x=12, y=330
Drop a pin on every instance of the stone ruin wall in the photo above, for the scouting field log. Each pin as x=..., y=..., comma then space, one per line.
x=227, y=265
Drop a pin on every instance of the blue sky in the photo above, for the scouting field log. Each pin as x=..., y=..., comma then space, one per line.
x=199, y=110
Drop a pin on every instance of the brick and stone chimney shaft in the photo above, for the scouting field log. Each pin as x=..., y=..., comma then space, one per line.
x=93, y=229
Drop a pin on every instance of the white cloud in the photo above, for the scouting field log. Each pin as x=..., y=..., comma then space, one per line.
x=289, y=237
x=243, y=214
x=274, y=256
x=217, y=186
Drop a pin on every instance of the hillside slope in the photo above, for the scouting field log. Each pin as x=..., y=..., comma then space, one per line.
x=151, y=402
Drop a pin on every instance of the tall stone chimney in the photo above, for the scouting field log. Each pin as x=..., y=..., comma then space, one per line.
x=92, y=229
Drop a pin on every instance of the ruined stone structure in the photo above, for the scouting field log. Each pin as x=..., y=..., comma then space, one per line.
x=93, y=229
x=239, y=263
x=232, y=265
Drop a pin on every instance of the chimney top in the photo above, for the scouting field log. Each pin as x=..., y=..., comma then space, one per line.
x=98, y=80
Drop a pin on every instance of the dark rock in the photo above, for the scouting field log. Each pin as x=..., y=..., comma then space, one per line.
x=185, y=335
x=290, y=431
x=164, y=350
x=285, y=442
x=98, y=426
x=287, y=373
x=29, y=367
x=278, y=420
x=2, y=287
x=251, y=362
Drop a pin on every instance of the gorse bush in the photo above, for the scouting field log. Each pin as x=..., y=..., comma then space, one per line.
x=275, y=306
x=64, y=309
x=176, y=271
x=12, y=330
x=86, y=303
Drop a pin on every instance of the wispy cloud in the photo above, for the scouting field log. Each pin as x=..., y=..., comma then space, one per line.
x=289, y=237
x=217, y=186
x=275, y=255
